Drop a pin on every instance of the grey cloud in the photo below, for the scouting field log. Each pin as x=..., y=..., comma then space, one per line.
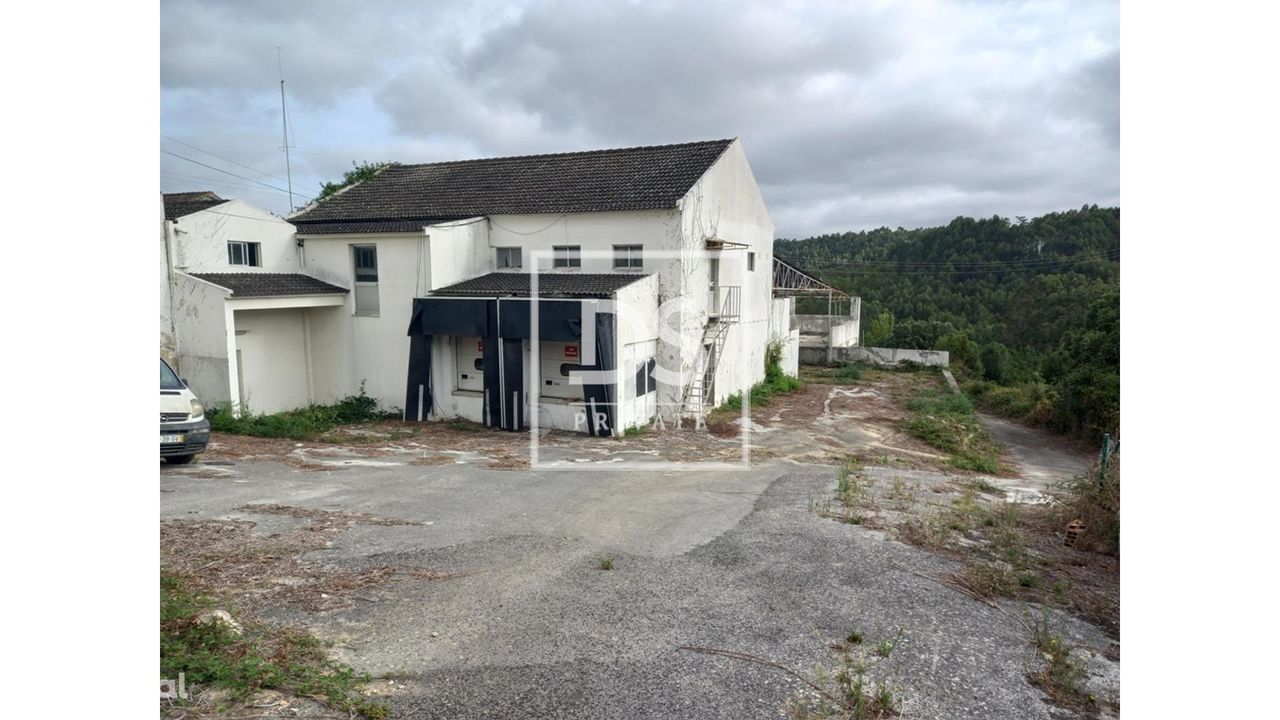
x=853, y=115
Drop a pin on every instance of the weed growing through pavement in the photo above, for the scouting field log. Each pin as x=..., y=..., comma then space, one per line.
x=606, y=563
x=851, y=685
x=1059, y=675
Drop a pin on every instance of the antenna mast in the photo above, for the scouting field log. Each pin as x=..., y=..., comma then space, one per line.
x=284, y=123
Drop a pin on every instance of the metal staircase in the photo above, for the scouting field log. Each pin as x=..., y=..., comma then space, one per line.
x=724, y=311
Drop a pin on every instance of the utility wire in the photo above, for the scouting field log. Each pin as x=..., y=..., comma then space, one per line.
x=225, y=172
x=974, y=271
x=971, y=263
x=224, y=159
x=235, y=185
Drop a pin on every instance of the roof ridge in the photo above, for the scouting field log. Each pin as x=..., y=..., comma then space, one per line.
x=564, y=153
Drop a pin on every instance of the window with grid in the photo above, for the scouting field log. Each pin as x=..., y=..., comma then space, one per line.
x=566, y=256
x=628, y=256
x=364, y=262
x=244, y=253
x=509, y=258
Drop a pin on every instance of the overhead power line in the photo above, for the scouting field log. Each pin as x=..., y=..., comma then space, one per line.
x=229, y=183
x=225, y=172
x=1049, y=264
x=968, y=263
x=224, y=159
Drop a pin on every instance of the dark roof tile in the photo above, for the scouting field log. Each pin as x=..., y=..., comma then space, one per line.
x=369, y=226
x=638, y=178
x=177, y=205
x=549, y=284
x=244, y=285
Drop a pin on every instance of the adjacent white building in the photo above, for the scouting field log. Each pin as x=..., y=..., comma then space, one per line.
x=236, y=316
x=653, y=269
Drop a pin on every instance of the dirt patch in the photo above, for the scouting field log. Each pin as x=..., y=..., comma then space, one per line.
x=1011, y=550
x=228, y=559
x=823, y=422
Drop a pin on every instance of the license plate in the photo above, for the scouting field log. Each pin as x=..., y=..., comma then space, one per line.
x=172, y=439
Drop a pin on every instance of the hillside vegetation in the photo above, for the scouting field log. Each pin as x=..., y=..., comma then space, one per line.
x=1028, y=308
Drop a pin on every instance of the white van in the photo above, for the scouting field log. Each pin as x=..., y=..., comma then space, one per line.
x=184, y=430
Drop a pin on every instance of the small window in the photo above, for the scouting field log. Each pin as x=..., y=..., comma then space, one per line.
x=628, y=256
x=751, y=262
x=509, y=258
x=365, y=267
x=244, y=253
x=566, y=368
x=566, y=256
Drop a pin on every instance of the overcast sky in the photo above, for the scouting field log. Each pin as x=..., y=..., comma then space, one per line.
x=854, y=115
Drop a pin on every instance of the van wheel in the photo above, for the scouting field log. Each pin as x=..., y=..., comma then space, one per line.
x=180, y=459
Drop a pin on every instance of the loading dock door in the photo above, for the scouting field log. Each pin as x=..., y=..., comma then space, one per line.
x=469, y=366
x=559, y=361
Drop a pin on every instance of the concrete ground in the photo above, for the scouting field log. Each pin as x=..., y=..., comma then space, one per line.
x=528, y=624
x=534, y=628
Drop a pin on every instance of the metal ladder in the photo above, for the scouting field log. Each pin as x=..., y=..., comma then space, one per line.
x=695, y=401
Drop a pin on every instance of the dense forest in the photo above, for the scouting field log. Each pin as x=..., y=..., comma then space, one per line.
x=1028, y=308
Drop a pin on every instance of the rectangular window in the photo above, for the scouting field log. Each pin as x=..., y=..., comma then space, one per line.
x=364, y=260
x=566, y=256
x=628, y=256
x=244, y=253
x=509, y=258
x=751, y=262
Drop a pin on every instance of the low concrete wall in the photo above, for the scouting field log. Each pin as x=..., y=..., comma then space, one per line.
x=875, y=356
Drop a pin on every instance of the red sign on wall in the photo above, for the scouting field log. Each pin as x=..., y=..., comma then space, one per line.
x=480, y=346
x=571, y=351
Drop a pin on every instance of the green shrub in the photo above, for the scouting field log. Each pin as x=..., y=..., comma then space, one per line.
x=301, y=424
x=776, y=382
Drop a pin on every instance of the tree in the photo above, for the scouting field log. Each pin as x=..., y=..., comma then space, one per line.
x=359, y=172
x=1039, y=295
x=995, y=362
x=881, y=330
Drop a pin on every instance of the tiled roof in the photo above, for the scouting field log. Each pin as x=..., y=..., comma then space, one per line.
x=184, y=203
x=369, y=226
x=244, y=285
x=638, y=178
x=549, y=284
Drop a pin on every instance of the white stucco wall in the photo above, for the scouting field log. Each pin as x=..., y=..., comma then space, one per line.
x=273, y=359
x=168, y=335
x=202, y=334
x=726, y=204
x=373, y=350
x=200, y=239
x=784, y=331
x=636, y=342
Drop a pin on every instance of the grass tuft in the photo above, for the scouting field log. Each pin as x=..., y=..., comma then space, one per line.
x=258, y=657
x=949, y=422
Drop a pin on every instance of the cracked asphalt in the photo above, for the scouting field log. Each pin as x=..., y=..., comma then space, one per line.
x=534, y=628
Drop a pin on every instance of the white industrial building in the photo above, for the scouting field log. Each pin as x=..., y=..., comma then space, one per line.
x=655, y=291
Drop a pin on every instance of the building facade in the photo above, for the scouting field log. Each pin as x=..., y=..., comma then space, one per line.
x=236, y=316
x=650, y=268
x=673, y=243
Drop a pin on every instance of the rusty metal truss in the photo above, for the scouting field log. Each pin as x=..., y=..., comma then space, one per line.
x=789, y=281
